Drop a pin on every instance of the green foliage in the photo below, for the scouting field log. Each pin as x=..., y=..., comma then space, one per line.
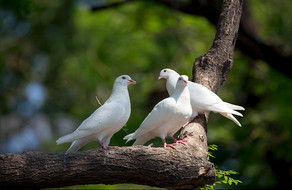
x=275, y=25
x=222, y=177
x=212, y=147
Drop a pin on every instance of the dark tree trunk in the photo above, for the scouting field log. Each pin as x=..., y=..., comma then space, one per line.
x=211, y=69
x=184, y=168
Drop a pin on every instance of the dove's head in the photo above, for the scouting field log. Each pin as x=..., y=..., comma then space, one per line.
x=182, y=80
x=166, y=73
x=125, y=80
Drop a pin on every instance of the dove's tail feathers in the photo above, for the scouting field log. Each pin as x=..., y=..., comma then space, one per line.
x=233, y=107
x=140, y=140
x=66, y=138
x=227, y=108
x=235, y=113
x=76, y=145
x=143, y=139
x=231, y=117
x=129, y=137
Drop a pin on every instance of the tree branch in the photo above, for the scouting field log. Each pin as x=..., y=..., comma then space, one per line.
x=160, y=167
x=186, y=167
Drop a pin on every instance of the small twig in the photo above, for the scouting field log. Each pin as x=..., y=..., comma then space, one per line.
x=125, y=130
x=98, y=100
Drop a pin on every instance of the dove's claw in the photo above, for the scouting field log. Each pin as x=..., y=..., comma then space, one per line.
x=170, y=145
x=180, y=141
x=177, y=141
x=105, y=146
x=167, y=145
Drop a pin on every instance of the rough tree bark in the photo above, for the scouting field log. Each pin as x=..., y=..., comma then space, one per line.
x=184, y=168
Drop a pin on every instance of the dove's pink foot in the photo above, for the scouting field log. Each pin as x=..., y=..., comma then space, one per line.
x=170, y=145
x=167, y=145
x=180, y=141
x=186, y=123
x=177, y=141
x=105, y=146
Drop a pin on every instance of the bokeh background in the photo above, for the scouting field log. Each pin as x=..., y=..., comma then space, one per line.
x=56, y=57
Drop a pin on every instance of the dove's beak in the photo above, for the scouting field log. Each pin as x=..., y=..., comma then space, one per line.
x=160, y=77
x=132, y=81
x=186, y=81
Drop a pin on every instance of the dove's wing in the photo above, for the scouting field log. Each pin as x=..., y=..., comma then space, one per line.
x=202, y=96
x=160, y=114
x=205, y=99
x=108, y=115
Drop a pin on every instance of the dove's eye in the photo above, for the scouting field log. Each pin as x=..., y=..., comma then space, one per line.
x=164, y=71
x=123, y=77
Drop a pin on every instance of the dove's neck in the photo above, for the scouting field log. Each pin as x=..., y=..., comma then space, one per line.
x=181, y=95
x=171, y=83
x=120, y=93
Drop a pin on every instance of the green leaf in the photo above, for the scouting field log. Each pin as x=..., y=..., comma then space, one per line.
x=212, y=147
x=237, y=181
x=221, y=173
x=225, y=178
x=230, y=181
x=211, y=155
x=233, y=172
x=218, y=182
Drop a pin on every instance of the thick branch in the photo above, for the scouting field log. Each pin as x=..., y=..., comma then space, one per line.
x=160, y=167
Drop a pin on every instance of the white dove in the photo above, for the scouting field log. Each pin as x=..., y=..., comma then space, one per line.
x=106, y=120
x=202, y=99
x=167, y=117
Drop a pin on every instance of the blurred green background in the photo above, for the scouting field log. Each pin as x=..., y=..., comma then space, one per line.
x=57, y=56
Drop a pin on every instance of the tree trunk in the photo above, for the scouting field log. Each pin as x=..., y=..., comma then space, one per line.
x=186, y=167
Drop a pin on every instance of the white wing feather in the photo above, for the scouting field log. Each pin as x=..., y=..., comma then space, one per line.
x=206, y=100
x=202, y=96
x=157, y=117
x=108, y=115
